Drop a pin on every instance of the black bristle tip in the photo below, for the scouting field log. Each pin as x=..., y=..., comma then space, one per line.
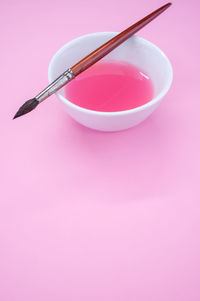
x=27, y=107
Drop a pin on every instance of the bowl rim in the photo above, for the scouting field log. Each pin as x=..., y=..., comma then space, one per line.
x=125, y=112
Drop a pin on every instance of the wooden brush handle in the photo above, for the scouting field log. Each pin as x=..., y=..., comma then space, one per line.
x=103, y=50
x=89, y=60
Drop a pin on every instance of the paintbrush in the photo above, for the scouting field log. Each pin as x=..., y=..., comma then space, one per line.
x=88, y=61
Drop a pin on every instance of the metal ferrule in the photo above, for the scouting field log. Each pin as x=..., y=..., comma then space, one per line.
x=57, y=84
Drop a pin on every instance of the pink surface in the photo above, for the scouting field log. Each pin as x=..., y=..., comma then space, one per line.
x=86, y=215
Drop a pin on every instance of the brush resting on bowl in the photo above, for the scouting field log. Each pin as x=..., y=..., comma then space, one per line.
x=87, y=61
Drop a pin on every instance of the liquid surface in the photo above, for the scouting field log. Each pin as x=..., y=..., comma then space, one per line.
x=110, y=86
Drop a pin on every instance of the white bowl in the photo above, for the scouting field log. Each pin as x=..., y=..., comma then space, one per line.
x=135, y=50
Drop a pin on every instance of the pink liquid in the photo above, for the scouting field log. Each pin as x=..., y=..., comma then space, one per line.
x=110, y=86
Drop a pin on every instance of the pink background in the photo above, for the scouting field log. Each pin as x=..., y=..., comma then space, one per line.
x=86, y=215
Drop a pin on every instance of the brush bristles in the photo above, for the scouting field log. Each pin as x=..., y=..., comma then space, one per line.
x=27, y=107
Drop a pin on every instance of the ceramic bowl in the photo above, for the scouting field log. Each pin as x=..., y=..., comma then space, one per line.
x=135, y=50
